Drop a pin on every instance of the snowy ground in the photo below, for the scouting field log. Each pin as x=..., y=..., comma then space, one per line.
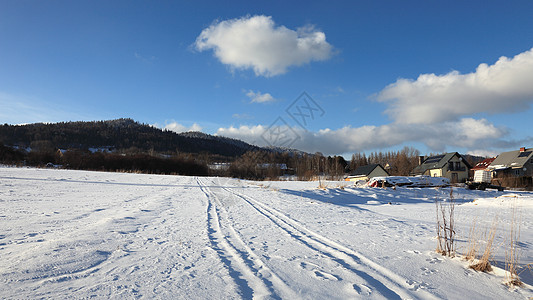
x=75, y=234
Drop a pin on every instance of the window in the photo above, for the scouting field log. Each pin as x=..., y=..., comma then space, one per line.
x=455, y=166
x=525, y=154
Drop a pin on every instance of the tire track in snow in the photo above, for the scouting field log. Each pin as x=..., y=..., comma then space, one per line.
x=254, y=278
x=384, y=281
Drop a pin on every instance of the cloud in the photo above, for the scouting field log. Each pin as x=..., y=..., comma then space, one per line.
x=484, y=153
x=143, y=58
x=258, y=97
x=257, y=43
x=178, y=128
x=502, y=87
x=242, y=116
x=466, y=133
x=249, y=134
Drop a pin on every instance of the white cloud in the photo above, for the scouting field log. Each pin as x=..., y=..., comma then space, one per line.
x=484, y=153
x=249, y=134
x=465, y=133
x=178, y=128
x=505, y=86
x=257, y=43
x=144, y=58
x=242, y=116
x=258, y=97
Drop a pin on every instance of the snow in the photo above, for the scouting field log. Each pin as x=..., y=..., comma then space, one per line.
x=411, y=181
x=77, y=234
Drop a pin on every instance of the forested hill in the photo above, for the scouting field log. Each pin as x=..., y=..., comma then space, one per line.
x=120, y=135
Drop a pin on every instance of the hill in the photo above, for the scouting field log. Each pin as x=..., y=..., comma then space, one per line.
x=119, y=135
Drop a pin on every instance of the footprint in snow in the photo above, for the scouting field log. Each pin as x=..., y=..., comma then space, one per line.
x=434, y=260
x=469, y=272
x=320, y=274
x=415, y=286
x=426, y=271
x=362, y=289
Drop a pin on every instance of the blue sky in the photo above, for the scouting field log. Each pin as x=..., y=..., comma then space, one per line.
x=380, y=75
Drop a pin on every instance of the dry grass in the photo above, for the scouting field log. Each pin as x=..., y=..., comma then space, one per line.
x=483, y=265
x=322, y=186
x=341, y=185
x=473, y=242
x=512, y=255
x=322, y=183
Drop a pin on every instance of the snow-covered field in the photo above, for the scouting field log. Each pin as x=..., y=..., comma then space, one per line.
x=76, y=234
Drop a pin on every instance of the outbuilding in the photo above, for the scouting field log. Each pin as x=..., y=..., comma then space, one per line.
x=367, y=172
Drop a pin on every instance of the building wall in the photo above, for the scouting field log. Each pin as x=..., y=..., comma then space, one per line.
x=377, y=172
x=529, y=168
x=435, y=173
x=456, y=165
x=357, y=178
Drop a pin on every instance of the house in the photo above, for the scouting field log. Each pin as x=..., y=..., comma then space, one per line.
x=515, y=163
x=450, y=165
x=481, y=171
x=367, y=172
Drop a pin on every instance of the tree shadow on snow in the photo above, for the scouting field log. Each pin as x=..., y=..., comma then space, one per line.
x=355, y=197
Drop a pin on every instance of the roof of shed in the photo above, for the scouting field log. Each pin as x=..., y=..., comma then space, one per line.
x=365, y=170
x=484, y=164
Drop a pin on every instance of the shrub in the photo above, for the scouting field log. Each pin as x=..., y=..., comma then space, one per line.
x=446, y=226
x=483, y=265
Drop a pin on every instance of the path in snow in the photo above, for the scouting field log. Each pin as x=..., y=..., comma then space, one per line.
x=365, y=277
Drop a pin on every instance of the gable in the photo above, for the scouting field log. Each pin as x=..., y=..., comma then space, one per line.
x=378, y=171
x=367, y=170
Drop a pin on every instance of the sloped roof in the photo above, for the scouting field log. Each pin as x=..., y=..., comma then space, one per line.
x=512, y=159
x=437, y=162
x=365, y=170
x=484, y=164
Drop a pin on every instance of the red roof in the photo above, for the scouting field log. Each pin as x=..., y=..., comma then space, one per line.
x=484, y=164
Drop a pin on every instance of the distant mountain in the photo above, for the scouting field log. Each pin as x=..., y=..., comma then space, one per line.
x=120, y=135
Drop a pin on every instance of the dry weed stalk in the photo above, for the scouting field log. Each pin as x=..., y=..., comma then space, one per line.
x=440, y=245
x=473, y=242
x=446, y=227
x=483, y=265
x=512, y=255
x=322, y=184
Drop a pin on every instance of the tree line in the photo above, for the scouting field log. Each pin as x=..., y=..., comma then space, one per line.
x=268, y=165
x=78, y=159
x=257, y=165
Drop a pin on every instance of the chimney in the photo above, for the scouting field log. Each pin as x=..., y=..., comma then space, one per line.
x=420, y=160
x=523, y=149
